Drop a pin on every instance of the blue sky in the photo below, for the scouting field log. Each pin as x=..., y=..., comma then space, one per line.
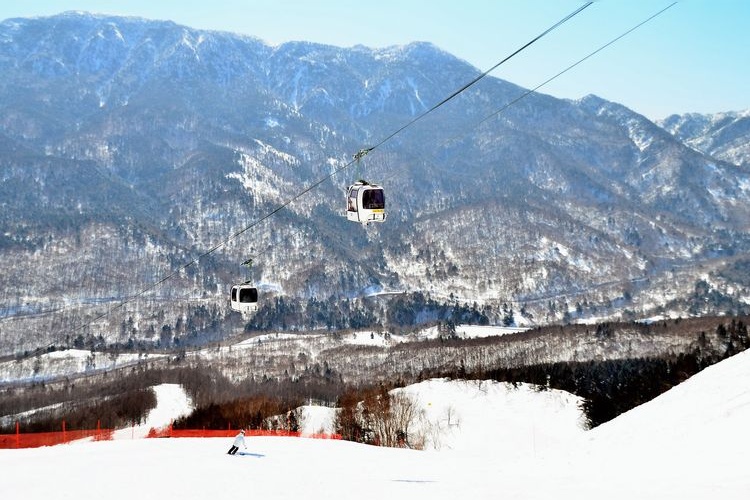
x=693, y=58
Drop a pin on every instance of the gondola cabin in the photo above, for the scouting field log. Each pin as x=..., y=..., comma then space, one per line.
x=244, y=298
x=365, y=203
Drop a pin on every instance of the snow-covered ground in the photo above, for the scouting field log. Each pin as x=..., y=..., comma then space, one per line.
x=495, y=441
x=474, y=331
x=70, y=362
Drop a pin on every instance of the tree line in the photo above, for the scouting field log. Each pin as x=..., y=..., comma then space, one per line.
x=403, y=311
x=108, y=401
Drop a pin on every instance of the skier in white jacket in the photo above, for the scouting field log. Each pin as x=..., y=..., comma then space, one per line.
x=239, y=439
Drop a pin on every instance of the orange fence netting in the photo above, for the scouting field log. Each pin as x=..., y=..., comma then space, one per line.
x=206, y=433
x=37, y=439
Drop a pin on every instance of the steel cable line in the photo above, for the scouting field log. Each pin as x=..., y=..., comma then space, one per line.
x=475, y=80
x=317, y=183
x=591, y=54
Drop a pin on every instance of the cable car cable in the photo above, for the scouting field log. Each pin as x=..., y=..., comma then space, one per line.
x=530, y=91
x=475, y=80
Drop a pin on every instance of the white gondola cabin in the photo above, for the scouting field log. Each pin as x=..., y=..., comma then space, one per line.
x=365, y=203
x=244, y=298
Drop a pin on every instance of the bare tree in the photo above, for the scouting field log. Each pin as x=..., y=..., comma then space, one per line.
x=390, y=417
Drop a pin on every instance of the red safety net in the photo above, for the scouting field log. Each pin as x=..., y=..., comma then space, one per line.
x=37, y=439
x=208, y=433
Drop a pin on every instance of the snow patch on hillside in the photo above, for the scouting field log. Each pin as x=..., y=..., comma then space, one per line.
x=172, y=402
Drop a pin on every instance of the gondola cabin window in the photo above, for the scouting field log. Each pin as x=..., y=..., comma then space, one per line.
x=352, y=203
x=248, y=295
x=373, y=199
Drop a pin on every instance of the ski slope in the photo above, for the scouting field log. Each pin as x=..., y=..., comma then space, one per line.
x=483, y=440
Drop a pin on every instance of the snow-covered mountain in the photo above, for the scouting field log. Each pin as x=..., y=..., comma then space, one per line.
x=133, y=147
x=722, y=135
x=493, y=441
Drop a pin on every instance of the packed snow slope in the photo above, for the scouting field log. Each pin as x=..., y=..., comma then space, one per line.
x=489, y=440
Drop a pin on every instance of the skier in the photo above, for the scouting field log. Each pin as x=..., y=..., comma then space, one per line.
x=239, y=439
